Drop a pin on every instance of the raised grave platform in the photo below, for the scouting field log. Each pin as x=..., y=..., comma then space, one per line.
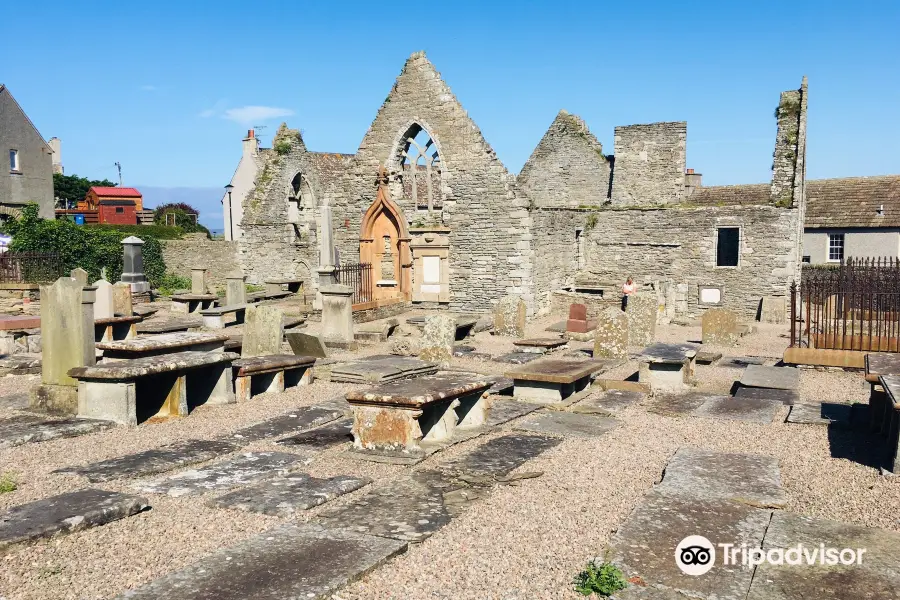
x=540, y=345
x=116, y=328
x=667, y=367
x=192, y=303
x=274, y=286
x=159, y=345
x=214, y=318
x=465, y=324
x=163, y=326
x=382, y=369
x=890, y=421
x=270, y=373
x=550, y=381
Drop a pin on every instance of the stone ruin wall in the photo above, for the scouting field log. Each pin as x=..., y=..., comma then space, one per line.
x=649, y=164
x=220, y=257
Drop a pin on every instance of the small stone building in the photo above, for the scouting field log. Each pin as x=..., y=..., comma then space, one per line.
x=426, y=202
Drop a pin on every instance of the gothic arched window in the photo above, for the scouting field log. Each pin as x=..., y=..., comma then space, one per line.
x=421, y=167
x=300, y=207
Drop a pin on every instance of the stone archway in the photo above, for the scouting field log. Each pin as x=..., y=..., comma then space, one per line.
x=384, y=243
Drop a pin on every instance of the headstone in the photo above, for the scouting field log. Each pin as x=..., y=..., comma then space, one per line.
x=235, y=289
x=337, y=316
x=67, y=331
x=773, y=309
x=327, y=264
x=80, y=275
x=199, y=284
x=104, y=304
x=122, y=299
x=611, y=336
x=305, y=344
x=263, y=331
x=720, y=327
x=641, y=313
x=509, y=317
x=438, y=338
x=577, y=321
x=133, y=264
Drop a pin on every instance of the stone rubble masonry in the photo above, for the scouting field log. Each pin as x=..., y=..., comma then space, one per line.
x=641, y=314
x=719, y=327
x=649, y=164
x=219, y=257
x=509, y=317
x=438, y=337
x=611, y=337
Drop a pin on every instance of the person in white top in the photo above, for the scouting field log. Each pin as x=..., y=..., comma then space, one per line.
x=627, y=290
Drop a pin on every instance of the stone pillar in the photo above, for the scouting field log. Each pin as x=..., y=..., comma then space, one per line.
x=133, y=265
x=337, y=316
x=79, y=275
x=104, y=306
x=199, y=284
x=327, y=270
x=235, y=289
x=67, y=336
x=263, y=331
x=122, y=304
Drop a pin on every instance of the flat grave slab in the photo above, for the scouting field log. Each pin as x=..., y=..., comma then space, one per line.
x=22, y=429
x=740, y=362
x=151, y=462
x=500, y=455
x=608, y=403
x=322, y=438
x=14, y=402
x=558, y=327
x=755, y=410
x=161, y=326
x=240, y=470
x=669, y=353
x=553, y=380
x=20, y=364
x=503, y=411
x=876, y=576
x=145, y=310
x=163, y=343
x=382, y=369
x=500, y=385
x=516, y=358
x=540, y=345
x=305, y=417
x=286, y=496
x=305, y=344
x=65, y=513
x=820, y=413
x=787, y=397
x=881, y=363
x=290, y=561
x=644, y=545
x=750, y=478
x=568, y=424
x=679, y=405
x=409, y=509
x=460, y=350
x=707, y=357
x=779, y=378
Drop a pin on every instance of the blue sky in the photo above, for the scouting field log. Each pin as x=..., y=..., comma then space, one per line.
x=169, y=88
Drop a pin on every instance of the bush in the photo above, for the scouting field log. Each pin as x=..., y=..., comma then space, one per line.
x=185, y=217
x=91, y=248
x=604, y=579
x=160, y=232
x=169, y=282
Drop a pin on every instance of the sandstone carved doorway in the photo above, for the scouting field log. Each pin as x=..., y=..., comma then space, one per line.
x=384, y=243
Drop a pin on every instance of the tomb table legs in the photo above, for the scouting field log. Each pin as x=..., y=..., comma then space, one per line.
x=109, y=400
x=472, y=410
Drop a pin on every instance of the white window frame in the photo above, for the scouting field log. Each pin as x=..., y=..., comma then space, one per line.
x=739, y=247
x=14, y=164
x=832, y=237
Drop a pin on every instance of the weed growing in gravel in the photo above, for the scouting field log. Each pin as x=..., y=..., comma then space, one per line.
x=7, y=483
x=603, y=579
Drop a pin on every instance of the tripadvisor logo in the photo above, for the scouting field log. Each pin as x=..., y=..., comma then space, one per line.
x=696, y=555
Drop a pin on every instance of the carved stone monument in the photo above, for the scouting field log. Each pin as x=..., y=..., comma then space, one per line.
x=337, y=316
x=133, y=265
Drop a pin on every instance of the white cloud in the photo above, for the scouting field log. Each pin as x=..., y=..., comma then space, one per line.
x=149, y=88
x=249, y=115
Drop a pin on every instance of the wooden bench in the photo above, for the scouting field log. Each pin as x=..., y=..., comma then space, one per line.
x=167, y=343
x=890, y=421
x=192, y=303
x=550, y=381
x=270, y=373
x=116, y=328
x=214, y=318
x=404, y=415
x=129, y=392
x=275, y=285
x=668, y=367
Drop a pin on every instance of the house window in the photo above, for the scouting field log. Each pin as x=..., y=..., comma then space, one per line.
x=14, y=160
x=806, y=258
x=835, y=247
x=120, y=209
x=728, y=246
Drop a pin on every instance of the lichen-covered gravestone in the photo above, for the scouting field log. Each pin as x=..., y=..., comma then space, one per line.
x=437, y=339
x=611, y=336
x=641, y=313
x=720, y=327
x=122, y=303
x=79, y=275
x=103, y=306
x=773, y=309
x=263, y=331
x=235, y=289
x=509, y=317
x=199, y=284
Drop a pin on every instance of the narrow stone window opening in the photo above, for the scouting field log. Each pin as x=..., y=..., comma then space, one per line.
x=728, y=246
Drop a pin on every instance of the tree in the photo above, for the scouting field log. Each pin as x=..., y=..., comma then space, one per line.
x=185, y=217
x=71, y=189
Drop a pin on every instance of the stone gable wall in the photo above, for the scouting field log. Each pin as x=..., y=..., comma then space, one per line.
x=555, y=247
x=649, y=164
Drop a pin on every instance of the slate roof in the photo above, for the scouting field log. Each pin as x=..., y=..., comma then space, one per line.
x=115, y=192
x=853, y=202
x=732, y=195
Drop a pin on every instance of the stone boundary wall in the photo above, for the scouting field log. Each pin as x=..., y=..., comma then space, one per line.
x=561, y=300
x=195, y=249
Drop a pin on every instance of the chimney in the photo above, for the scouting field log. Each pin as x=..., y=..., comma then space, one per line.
x=692, y=181
x=56, y=147
x=250, y=144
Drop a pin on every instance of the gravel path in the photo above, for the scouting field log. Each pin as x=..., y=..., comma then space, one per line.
x=523, y=541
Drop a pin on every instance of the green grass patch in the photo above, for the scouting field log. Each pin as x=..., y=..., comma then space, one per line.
x=8, y=483
x=603, y=579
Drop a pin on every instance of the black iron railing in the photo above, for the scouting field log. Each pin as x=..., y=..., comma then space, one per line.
x=359, y=277
x=851, y=306
x=30, y=267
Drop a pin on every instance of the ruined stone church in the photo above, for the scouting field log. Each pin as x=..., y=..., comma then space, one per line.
x=431, y=212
